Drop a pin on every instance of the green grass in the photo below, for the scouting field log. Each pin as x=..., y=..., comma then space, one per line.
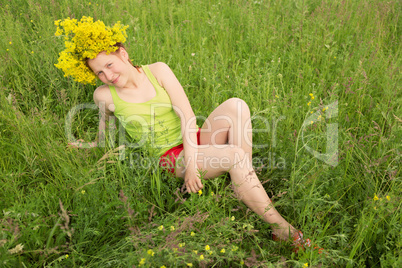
x=89, y=208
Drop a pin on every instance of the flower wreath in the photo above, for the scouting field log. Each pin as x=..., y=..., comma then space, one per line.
x=84, y=40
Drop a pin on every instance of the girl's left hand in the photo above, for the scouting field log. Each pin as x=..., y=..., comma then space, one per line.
x=192, y=181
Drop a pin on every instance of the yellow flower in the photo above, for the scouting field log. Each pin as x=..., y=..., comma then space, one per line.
x=308, y=104
x=172, y=228
x=311, y=94
x=84, y=40
x=388, y=197
x=234, y=248
x=375, y=198
x=223, y=250
x=83, y=192
x=305, y=265
x=142, y=261
x=312, y=97
x=201, y=257
x=189, y=264
x=10, y=43
x=163, y=266
x=200, y=192
x=160, y=228
x=192, y=234
x=241, y=262
x=207, y=247
x=212, y=193
x=181, y=245
x=195, y=251
x=233, y=218
x=151, y=252
x=66, y=256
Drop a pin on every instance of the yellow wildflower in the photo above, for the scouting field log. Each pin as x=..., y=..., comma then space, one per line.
x=66, y=256
x=201, y=257
x=10, y=43
x=189, y=264
x=375, y=198
x=233, y=218
x=163, y=266
x=305, y=265
x=142, y=261
x=160, y=228
x=308, y=104
x=200, y=192
x=234, y=248
x=388, y=197
x=241, y=262
x=207, y=247
x=311, y=94
x=195, y=251
x=192, y=234
x=223, y=250
x=85, y=39
x=83, y=192
x=151, y=252
x=172, y=228
x=312, y=97
x=212, y=193
x=181, y=245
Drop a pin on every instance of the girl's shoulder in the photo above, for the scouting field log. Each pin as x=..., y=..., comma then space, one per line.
x=160, y=70
x=102, y=95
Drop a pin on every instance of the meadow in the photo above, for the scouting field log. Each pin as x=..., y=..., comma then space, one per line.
x=322, y=79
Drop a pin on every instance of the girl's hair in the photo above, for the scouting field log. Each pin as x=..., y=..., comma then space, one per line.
x=118, y=45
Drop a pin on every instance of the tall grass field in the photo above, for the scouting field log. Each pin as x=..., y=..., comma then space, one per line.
x=322, y=79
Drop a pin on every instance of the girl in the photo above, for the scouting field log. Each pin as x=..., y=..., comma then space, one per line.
x=153, y=107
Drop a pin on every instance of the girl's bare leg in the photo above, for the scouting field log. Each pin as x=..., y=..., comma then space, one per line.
x=228, y=133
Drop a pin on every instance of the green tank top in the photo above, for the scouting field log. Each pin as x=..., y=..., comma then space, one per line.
x=152, y=124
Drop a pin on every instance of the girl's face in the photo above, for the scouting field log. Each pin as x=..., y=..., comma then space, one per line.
x=111, y=69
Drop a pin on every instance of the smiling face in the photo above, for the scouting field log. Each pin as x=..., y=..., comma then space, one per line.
x=112, y=69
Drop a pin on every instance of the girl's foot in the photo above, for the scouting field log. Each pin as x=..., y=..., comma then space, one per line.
x=298, y=242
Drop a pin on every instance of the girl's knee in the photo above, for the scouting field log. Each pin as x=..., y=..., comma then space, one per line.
x=238, y=106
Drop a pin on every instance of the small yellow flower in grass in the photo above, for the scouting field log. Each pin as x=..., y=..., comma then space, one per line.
x=195, y=251
x=207, y=247
x=181, y=245
x=223, y=250
x=201, y=257
x=305, y=265
x=308, y=104
x=311, y=94
x=312, y=97
x=7, y=49
x=234, y=248
x=233, y=218
x=172, y=228
x=312, y=122
x=189, y=264
x=323, y=109
x=192, y=234
x=10, y=43
x=83, y=192
x=142, y=262
x=151, y=252
x=375, y=198
x=241, y=262
x=66, y=256
x=212, y=193
x=200, y=192
x=160, y=228
x=32, y=52
x=163, y=266
x=388, y=197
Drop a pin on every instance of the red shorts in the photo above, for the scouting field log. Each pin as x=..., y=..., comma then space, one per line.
x=168, y=159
